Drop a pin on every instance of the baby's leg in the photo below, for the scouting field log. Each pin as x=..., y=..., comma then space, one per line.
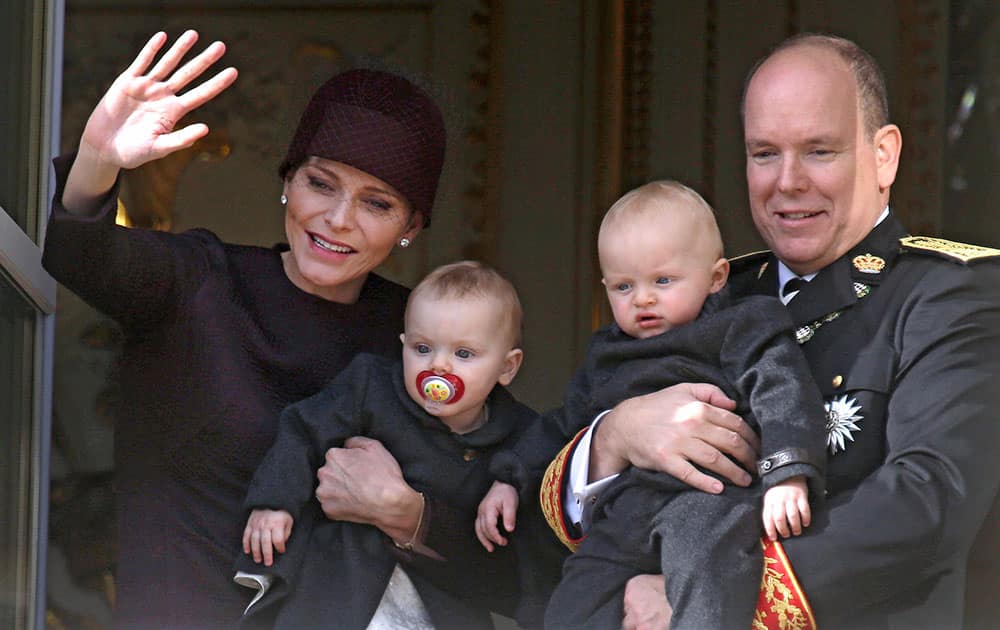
x=617, y=548
x=711, y=555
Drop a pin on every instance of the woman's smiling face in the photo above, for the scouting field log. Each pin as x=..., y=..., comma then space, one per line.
x=341, y=223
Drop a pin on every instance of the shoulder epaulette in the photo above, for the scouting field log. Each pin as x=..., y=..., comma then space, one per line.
x=952, y=250
x=750, y=261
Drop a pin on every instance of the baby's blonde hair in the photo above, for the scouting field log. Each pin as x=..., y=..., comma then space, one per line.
x=470, y=278
x=663, y=197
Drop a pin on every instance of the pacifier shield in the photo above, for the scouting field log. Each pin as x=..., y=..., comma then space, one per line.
x=440, y=388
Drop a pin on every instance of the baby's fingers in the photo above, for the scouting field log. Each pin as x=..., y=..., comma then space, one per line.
x=246, y=539
x=255, y=546
x=266, y=547
x=794, y=521
x=483, y=537
x=805, y=511
x=278, y=539
x=509, y=516
x=769, y=528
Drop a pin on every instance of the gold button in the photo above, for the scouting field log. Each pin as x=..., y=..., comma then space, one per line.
x=470, y=454
x=838, y=380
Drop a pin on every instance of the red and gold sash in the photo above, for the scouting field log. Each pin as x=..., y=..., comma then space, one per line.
x=782, y=604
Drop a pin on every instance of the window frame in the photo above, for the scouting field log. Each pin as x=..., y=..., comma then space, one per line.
x=21, y=267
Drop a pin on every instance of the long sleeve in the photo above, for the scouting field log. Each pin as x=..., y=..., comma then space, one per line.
x=286, y=477
x=762, y=359
x=135, y=276
x=910, y=522
x=523, y=465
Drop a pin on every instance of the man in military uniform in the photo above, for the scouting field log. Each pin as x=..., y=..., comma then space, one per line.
x=903, y=338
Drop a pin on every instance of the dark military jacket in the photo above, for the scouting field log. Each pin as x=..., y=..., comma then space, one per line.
x=903, y=339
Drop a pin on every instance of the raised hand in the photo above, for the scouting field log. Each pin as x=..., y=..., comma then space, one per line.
x=134, y=122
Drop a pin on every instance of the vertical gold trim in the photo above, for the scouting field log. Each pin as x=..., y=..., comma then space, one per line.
x=608, y=181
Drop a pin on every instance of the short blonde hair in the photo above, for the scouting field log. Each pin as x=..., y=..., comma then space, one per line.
x=664, y=196
x=470, y=278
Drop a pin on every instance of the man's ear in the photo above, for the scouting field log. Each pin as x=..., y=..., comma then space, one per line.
x=888, y=143
x=720, y=274
x=511, y=364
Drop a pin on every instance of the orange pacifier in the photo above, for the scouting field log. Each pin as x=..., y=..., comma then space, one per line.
x=440, y=388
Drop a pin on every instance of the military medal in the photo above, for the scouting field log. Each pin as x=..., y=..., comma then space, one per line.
x=841, y=418
x=440, y=388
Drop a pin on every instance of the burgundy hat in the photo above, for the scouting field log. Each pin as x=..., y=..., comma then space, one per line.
x=379, y=123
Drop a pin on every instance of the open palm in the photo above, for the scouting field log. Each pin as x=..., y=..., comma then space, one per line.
x=134, y=122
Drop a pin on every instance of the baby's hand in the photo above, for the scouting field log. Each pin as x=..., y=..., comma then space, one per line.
x=500, y=501
x=786, y=508
x=267, y=531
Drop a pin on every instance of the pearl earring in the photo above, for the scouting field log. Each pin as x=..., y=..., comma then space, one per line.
x=404, y=242
x=284, y=199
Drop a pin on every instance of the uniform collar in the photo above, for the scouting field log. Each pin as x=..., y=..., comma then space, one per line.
x=832, y=288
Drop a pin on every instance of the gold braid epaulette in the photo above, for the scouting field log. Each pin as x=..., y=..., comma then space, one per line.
x=961, y=252
x=551, y=494
x=781, y=604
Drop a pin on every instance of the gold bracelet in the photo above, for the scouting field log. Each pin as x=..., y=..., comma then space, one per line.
x=408, y=546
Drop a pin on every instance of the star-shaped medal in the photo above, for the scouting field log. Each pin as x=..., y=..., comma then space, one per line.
x=841, y=418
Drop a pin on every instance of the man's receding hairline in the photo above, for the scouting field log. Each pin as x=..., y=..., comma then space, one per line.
x=870, y=90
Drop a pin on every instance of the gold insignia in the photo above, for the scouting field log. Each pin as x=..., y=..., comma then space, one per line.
x=962, y=252
x=550, y=494
x=868, y=263
x=747, y=261
x=805, y=333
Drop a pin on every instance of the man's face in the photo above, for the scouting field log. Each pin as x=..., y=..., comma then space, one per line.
x=812, y=173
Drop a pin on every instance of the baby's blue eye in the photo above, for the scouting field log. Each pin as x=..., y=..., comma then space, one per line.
x=422, y=348
x=463, y=354
x=663, y=281
x=623, y=286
